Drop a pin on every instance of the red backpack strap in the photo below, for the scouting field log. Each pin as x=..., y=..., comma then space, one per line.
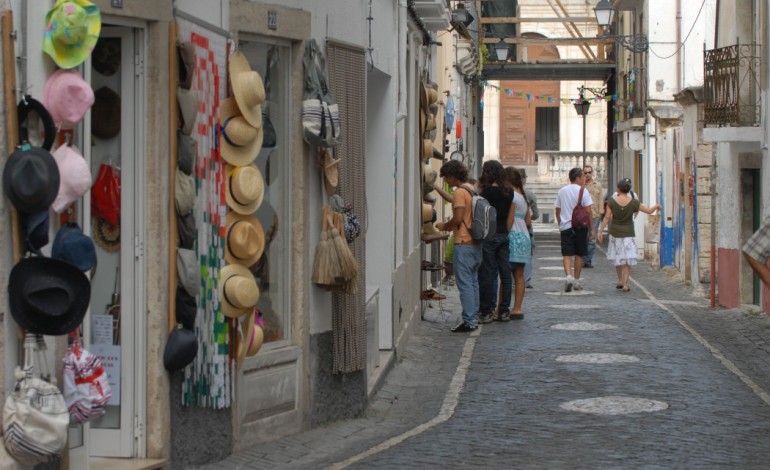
x=580, y=195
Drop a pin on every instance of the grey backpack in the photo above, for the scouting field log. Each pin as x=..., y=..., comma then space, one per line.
x=484, y=218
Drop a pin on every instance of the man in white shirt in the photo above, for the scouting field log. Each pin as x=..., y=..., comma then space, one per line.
x=574, y=242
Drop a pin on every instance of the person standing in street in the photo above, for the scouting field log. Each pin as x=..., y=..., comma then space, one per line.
x=596, y=191
x=534, y=214
x=519, y=243
x=574, y=241
x=467, y=253
x=621, y=250
x=495, y=251
x=757, y=250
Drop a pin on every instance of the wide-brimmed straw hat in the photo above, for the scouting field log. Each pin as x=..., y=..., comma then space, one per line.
x=48, y=296
x=238, y=290
x=67, y=97
x=245, y=239
x=248, y=88
x=241, y=141
x=427, y=149
x=31, y=179
x=424, y=97
x=244, y=188
x=72, y=30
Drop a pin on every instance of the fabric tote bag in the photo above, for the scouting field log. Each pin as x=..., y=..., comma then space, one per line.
x=320, y=113
x=86, y=389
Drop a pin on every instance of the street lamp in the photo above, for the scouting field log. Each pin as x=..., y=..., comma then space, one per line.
x=582, y=109
x=605, y=13
x=501, y=49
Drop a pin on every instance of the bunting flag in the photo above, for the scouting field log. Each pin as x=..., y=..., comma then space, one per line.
x=547, y=99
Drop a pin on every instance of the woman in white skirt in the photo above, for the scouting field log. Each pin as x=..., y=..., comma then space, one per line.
x=620, y=216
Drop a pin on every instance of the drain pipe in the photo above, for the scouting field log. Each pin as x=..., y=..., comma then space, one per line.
x=713, y=257
x=403, y=28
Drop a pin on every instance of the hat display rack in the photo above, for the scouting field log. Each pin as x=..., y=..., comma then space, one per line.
x=427, y=130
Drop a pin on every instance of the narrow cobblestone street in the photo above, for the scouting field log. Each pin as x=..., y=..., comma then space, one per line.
x=598, y=378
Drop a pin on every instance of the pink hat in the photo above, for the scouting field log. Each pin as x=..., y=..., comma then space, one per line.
x=67, y=97
x=75, y=177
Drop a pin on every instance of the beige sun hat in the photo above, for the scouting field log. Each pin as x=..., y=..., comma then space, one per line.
x=241, y=142
x=427, y=212
x=238, y=291
x=427, y=149
x=248, y=88
x=245, y=188
x=245, y=239
x=249, y=340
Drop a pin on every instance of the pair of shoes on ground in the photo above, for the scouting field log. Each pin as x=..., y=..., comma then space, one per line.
x=431, y=266
x=485, y=318
x=463, y=327
x=620, y=286
x=431, y=294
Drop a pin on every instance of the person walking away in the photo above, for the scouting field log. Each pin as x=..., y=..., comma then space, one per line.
x=467, y=253
x=535, y=214
x=621, y=251
x=495, y=250
x=574, y=241
x=757, y=250
x=596, y=191
x=520, y=247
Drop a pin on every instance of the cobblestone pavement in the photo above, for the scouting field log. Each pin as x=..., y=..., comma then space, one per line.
x=593, y=379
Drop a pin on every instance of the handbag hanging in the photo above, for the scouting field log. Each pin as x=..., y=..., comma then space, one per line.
x=86, y=388
x=320, y=113
x=105, y=194
x=35, y=416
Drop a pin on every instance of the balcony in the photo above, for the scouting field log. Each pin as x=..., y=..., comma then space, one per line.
x=731, y=86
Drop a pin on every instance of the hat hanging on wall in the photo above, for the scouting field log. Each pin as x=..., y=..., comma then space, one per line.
x=331, y=172
x=186, y=308
x=67, y=97
x=245, y=239
x=75, y=177
x=245, y=188
x=181, y=349
x=72, y=30
x=248, y=88
x=238, y=291
x=189, y=271
x=74, y=247
x=105, y=115
x=31, y=179
x=186, y=153
x=241, y=141
x=184, y=192
x=48, y=296
x=105, y=234
x=249, y=339
x=188, y=108
x=36, y=228
x=106, y=56
x=186, y=64
x=187, y=230
x=32, y=114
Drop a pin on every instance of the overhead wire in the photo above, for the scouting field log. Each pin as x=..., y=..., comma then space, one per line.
x=686, y=37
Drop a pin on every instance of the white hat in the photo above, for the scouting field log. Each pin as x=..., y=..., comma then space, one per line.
x=74, y=174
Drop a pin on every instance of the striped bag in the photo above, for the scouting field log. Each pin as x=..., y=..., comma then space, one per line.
x=320, y=112
x=35, y=417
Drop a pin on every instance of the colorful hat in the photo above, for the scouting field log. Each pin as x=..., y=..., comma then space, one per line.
x=74, y=247
x=67, y=97
x=31, y=179
x=75, y=177
x=245, y=239
x=238, y=291
x=48, y=296
x=245, y=188
x=241, y=141
x=72, y=31
x=105, y=114
x=248, y=88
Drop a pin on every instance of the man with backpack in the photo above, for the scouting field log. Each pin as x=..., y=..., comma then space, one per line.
x=467, y=252
x=573, y=214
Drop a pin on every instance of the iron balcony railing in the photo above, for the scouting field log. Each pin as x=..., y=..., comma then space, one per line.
x=731, y=85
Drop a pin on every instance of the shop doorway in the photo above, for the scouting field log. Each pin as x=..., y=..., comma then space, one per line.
x=112, y=140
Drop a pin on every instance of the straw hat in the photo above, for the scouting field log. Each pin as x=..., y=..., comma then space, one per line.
x=431, y=122
x=331, y=173
x=424, y=97
x=73, y=28
x=427, y=149
x=432, y=96
x=238, y=291
x=249, y=340
x=245, y=188
x=245, y=239
x=67, y=97
x=241, y=141
x=428, y=213
x=248, y=88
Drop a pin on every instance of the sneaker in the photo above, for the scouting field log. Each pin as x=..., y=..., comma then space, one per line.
x=463, y=327
x=577, y=285
x=588, y=265
x=568, y=284
x=503, y=317
x=530, y=286
x=485, y=318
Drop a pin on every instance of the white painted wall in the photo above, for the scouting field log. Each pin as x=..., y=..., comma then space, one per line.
x=215, y=12
x=661, y=73
x=571, y=124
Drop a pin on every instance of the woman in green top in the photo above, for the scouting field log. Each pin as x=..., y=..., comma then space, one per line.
x=622, y=246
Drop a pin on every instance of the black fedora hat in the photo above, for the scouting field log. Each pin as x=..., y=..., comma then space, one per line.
x=48, y=296
x=31, y=179
x=29, y=105
x=181, y=349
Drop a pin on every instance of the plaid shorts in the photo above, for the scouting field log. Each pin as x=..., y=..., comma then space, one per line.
x=758, y=246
